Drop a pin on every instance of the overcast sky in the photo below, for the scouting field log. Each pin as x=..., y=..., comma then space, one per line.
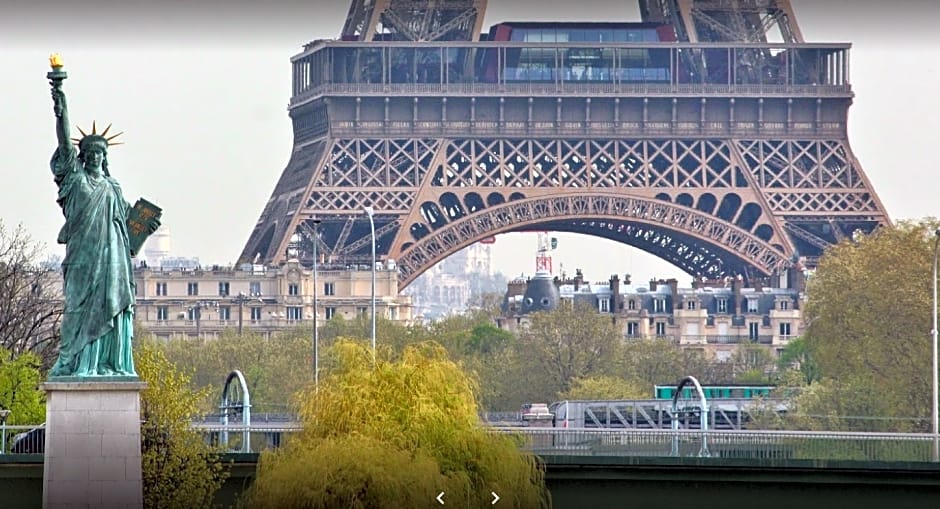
x=200, y=90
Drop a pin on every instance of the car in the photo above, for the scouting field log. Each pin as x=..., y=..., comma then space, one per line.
x=30, y=442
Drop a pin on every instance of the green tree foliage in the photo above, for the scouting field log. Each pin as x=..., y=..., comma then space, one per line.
x=869, y=311
x=796, y=356
x=180, y=470
x=656, y=361
x=568, y=343
x=19, y=388
x=274, y=368
x=395, y=436
x=606, y=387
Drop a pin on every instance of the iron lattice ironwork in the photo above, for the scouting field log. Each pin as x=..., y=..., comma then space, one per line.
x=410, y=20
x=742, y=169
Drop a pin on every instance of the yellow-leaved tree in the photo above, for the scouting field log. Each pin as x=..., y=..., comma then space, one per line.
x=180, y=470
x=395, y=435
x=869, y=310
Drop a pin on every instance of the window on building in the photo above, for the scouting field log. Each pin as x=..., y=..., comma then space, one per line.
x=722, y=305
x=293, y=289
x=660, y=328
x=633, y=329
x=192, y=313
x=225, y=313
x=603, y=305
x=254, y=288
x=295, y=313
x=329, y=313
x=690, y=305
x=631, y=304
x=752, y=305
x=659, y=305
x=784, y=305
x=163, y=313
x=329, y=289
x=161, y=289
x=223, y=288
x=361, y=311
x=785, y=329
x=753, y=329
x=255, y=314
x=192, y=288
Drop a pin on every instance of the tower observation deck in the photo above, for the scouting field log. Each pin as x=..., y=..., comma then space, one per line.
x=689, y=135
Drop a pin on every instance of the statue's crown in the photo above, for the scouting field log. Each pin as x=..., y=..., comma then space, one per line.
x=95, y=137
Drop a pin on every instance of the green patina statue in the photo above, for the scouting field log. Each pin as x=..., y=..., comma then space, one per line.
x=97, y=326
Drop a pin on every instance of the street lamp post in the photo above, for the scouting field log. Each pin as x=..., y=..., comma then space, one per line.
x=196, y=310
x=241, y=299
x=370, y=212
x=933, y=336
x=316, y=332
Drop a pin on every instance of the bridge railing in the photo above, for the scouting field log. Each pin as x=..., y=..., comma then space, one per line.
x=758, y=445
x=793, y=445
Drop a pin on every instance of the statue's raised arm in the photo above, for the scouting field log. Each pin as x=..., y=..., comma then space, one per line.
x=59, y=105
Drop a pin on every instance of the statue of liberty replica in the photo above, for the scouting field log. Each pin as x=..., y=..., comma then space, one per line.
x=93, y=381
x=101, y=233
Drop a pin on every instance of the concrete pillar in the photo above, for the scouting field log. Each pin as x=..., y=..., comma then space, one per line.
x=92, y=455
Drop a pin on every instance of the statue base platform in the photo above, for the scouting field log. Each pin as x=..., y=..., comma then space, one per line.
x=92, y=455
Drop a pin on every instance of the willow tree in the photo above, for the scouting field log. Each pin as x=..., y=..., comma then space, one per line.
x=869, y=310
x=394, y=435
x=179, y=469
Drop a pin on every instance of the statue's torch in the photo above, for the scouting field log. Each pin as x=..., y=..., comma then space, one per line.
x=56, y=75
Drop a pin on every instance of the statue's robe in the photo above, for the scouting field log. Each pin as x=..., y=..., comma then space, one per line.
x=98, y=323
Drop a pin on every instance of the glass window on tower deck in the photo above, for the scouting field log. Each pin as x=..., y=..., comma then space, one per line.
x=571, y=57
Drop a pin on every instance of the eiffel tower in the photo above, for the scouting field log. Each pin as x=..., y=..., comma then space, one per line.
x=691, y=135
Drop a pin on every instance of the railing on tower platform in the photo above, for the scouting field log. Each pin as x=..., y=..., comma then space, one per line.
x=570, y=69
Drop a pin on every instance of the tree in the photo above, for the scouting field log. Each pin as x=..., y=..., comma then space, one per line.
x=30, y=298
x=570, y=342
x=869, y=310
x=657, y=361
x=752, y=364
x=606, y=387
x=394, y=436
x=796, y=356
x=274, y=368
x=180, y=470
x=19, y=388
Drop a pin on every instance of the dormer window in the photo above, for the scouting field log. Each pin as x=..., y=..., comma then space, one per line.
x=784, y=305
x=659, y=305
x=752, y=306
x=631, y=304
x=722, y=305
x=690, y=305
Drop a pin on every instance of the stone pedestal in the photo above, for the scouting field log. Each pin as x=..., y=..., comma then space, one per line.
x=92, y=456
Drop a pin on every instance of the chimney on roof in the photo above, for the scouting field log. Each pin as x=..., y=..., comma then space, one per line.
x=736, y=283
x=616, y=300
x=578, y=279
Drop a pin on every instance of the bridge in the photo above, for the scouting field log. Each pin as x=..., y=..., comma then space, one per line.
x=613, y=468
x=688, y=135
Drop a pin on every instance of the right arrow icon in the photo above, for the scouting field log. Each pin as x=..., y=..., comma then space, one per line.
x=495, y=497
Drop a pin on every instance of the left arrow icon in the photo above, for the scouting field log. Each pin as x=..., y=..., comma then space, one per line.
x=440, y=498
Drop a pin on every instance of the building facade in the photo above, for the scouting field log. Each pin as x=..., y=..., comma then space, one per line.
x=202, y=302
x=713, y=316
